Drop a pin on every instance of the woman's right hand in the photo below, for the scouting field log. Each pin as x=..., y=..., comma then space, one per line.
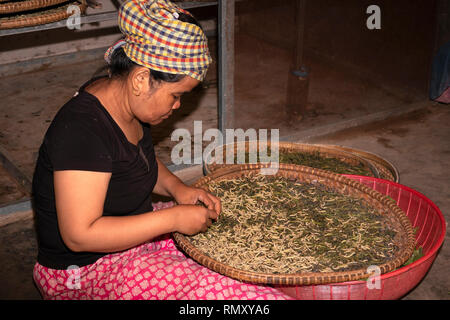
x=192, y=219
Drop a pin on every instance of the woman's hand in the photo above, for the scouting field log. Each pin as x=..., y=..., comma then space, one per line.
x=170, y=185
x=191, y=219
x=189, y=195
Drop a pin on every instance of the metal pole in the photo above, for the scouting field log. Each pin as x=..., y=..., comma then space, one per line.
x=298, y=81
x=300, y=24
x=226, y=64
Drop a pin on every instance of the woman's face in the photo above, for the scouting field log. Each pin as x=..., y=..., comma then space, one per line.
x=154, y=102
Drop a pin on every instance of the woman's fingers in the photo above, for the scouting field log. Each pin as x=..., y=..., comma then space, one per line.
x=194, y=195
x=203, y=197
x=212, y=214
x=217, y=204
x=212, y=202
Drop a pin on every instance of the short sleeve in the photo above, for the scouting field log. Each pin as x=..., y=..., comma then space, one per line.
x=78, y=141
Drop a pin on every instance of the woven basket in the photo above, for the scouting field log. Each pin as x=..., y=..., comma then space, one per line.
x=430, y=225
x=210, y=165
x=42, y=17
x=385, y=168
x=385, y=205
x=21, y=6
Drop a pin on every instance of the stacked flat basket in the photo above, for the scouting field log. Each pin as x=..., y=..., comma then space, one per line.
x=430, y=226
x=378, y=166
x=385, y=168
x=417, y=213
x=27, y=13
x=384, y=205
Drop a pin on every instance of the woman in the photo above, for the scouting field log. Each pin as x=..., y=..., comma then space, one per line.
x=99, y=235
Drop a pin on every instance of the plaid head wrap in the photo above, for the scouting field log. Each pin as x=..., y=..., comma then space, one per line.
x=156, y=39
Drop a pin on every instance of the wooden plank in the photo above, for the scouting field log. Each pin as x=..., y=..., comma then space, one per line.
x=7, y=162
x=6, y=219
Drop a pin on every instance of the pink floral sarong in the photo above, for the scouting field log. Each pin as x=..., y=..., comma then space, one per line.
x=153, y=270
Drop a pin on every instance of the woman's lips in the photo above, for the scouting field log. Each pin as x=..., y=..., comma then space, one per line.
x=167, y=115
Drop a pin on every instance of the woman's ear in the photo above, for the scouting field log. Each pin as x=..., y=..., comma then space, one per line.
x=140, y=78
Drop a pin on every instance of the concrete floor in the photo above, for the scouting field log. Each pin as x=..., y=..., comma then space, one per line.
x=30, y=100
x=417, y=143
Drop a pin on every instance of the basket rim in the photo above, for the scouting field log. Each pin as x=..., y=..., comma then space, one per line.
x=305, y=278
x=59, y=15
x=371, y=156
x=209, y=168
x=13, y=7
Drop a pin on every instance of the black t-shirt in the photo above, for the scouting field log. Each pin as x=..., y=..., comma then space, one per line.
x=84, y=136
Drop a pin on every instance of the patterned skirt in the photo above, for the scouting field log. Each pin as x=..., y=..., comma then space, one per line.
x=155, y=270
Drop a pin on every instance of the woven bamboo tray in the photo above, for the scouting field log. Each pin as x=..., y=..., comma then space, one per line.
x=43, y=16
x=12, y=7
x=385, y=205
x=385, y=168
x=210, y=165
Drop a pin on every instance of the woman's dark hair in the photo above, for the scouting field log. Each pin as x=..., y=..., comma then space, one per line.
x=120, y=65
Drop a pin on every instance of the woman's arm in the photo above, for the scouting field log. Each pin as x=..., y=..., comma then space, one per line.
x=167, y=181
x=80, y=196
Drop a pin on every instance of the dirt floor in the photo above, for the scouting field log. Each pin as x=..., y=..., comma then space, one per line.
x=418, y=144
x=30, y=100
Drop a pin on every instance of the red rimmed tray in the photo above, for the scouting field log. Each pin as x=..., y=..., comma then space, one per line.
x=431, y=228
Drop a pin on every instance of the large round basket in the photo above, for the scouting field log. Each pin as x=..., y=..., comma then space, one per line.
x=430, y=226
x=384, y=205
x=386, y=169
x=212, y=161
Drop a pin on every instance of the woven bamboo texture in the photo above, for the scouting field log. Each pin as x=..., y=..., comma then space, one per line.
x=12, y=7
x=386, y=169
x=385, y=205
x=210, y=165
x=41, y=17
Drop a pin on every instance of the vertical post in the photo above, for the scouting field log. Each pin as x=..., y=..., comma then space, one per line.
x=226, y=64
x=298, y=82
x=300, y=25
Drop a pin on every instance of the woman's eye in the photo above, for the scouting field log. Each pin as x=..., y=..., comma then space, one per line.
x=176, y=97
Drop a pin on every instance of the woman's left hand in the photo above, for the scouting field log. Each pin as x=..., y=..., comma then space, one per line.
x=190, y=195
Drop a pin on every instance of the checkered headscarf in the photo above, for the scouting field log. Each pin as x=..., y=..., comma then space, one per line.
x=156, y=39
